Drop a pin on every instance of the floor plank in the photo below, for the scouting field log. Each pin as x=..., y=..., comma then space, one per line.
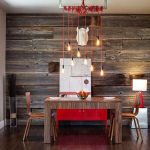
x=72, y=138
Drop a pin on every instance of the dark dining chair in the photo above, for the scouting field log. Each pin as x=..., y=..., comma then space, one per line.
x=129, y=115
x=33, y=116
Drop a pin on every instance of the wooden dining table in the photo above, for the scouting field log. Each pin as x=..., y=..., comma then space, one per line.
x=51, y=104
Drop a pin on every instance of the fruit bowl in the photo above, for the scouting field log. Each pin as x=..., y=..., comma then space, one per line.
x=82, y=95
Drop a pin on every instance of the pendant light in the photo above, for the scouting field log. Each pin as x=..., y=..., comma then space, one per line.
x=85, y=59
x=98, y=41
x=72, y=60
x=101, y=46
x=63, y=68
x=92, y=68
x=69, y=46
x=92, y=44
x=78, y=53
x=81, y=11
x=101, y=72
x=78, y=50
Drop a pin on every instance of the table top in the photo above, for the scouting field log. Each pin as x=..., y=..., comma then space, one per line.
x=76, y=99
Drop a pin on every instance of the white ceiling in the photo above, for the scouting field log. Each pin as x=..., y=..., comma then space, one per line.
x=52, y=6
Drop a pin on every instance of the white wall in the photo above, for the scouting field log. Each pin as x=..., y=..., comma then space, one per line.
x=2, y=62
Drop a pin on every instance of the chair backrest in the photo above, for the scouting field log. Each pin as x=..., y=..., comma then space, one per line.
x=28, y=102
x=137, y=103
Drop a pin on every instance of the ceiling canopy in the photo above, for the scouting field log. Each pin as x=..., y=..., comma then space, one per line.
x=52, y=6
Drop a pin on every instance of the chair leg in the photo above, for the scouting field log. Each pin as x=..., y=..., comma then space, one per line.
x=28, y=127
x=136, y=128
x=25, y=132
x=139, y=128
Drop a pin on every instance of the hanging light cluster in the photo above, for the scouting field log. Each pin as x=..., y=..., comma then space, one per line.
x=68, y=44
x=82, y=11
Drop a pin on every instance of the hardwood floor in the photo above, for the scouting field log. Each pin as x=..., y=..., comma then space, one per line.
x=72, y=138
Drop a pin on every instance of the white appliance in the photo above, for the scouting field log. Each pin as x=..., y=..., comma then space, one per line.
x=75, y=78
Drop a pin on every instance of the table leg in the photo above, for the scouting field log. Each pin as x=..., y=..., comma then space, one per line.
x=47, y=123
x=118, y=124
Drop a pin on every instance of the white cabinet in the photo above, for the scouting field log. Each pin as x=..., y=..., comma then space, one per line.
x=80, y=69
x=75, y=78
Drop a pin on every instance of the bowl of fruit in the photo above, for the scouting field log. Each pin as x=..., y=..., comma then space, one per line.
x=82, y=95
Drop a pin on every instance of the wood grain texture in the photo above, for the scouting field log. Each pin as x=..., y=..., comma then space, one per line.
x=26, y=33
x=34, y=46
x=73, y=137
x=75, y=103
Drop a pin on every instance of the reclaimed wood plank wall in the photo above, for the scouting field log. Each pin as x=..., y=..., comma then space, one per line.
x=34, y=46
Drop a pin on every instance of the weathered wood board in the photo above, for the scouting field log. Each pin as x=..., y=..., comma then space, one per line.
x=34, y=46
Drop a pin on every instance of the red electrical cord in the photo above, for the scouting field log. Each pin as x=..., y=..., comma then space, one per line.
x=85, y=52
x=72, y=34
x=101, y=40
x=63, y=35
x=92, y=41
x=68, y=25
x=78, y=25
x=100, y=24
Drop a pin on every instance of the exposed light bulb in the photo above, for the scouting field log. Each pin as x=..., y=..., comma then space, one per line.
x=69, y=46
x=62, y=70
x=85, y=61
x=101, y=72
x=72, y=62
x=92, y=68
x=60, y=4
x=98, y=41
x=78, y=53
